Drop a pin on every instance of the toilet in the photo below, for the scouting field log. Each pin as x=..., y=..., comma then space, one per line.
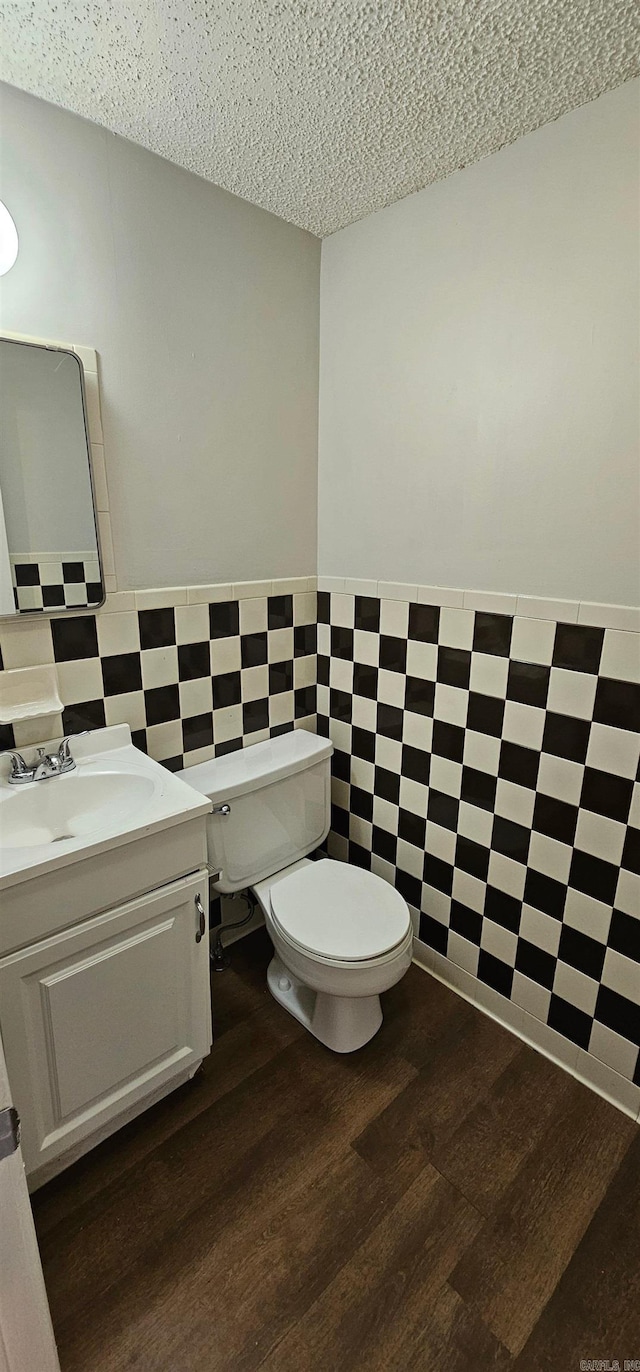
x=341, y=936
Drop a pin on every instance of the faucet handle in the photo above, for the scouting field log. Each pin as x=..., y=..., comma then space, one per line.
x=64, y=753
x=18, y=765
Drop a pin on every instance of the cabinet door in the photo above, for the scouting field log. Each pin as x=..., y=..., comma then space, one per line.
x=96, y=1018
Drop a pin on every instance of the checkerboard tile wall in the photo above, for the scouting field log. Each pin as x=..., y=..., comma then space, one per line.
x=42, y=583
x=488, y=766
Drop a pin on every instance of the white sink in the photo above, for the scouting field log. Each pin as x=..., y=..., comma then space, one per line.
x=71, y=806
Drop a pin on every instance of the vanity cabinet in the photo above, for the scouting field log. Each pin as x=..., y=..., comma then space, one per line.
x=104, y=1017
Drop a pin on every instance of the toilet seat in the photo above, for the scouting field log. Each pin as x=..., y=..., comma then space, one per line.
x=335, y=912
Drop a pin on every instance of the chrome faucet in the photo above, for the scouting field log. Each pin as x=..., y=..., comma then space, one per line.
x=46, y=765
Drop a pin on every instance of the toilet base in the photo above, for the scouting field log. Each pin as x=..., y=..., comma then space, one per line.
x=342, y=1023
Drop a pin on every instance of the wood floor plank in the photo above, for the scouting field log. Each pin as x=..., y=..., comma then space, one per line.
x=512, y=1268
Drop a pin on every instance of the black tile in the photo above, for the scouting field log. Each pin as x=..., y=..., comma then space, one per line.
x=582, y=952
x=72, y=572
x=121, y=673
x=495, y=973
x=466, y=922
x=89, y=714
x=359, y=856
x=535, y=963
x=389, y=721
x=52, y=596
x=434, y=934
x=386, y=785
x=437, y=873
x=139, y=739
x=624, y=935
x=280, y=612
x=323, y=670
x=472, y=857
x=454, y=667
x=363, y=744
x=305, y=701
x=227, y=690
x=393, y=653
x=340, y=821
x=410, y=887
x=28, y=574
x=492, y=634
x=365, y=680
x=276, y=730
x=255, y=715
x=419, y=696
x=443, y=810
x=7, y=736
x=555, y=818
x=341, y=765
x=95, y=592
x=383, y=844
x=478, y=788
x=197, y=732
x=528, y=683
x=161, y=704
x=194, y=660
x=253, y=650
x=565, y=736
x=341, y=642
x=424, y=623
x=448, y=740
x=305, y=638
x=545, y=893
x=578, y=647
x=367, y=613
x=157, y=627
x=415, y=764
x=619, y=1014
x=361, y=803
x=519, y=765
x=224, y=619
x=617, y=703
x=322, y=726
x=324, y=607
x=74, y=638
x=280, y=677
x=340, y=705
x=411, y=828
x=232, y=745
x=567, y=1020
x=631, y=851
x=510, y=839
x=503, y=909
x=485, y=714
x=593, y=876
x=606, y=794
x=173, y=764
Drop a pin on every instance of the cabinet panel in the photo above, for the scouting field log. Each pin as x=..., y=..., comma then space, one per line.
x=97, y=1017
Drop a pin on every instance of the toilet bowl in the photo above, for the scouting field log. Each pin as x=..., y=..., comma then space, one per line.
x=341, y=936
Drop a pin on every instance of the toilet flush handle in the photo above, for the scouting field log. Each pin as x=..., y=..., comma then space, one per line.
x=223, y=810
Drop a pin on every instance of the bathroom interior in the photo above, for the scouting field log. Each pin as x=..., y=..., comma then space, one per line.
x=319, y=686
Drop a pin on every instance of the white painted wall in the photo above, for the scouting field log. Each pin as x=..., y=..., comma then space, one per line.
x=479, y=372
x=204, y=312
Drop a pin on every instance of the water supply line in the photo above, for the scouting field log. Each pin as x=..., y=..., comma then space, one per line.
x=219, y=958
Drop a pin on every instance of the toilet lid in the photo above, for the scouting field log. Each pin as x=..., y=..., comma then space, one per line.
x=339, y=911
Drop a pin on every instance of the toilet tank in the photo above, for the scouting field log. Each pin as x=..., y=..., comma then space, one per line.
x=279, y=798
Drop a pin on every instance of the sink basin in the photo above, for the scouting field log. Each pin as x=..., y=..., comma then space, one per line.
x=71, y=807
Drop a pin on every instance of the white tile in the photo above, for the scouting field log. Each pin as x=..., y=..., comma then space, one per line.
x=475, y=823
x=498, y=1007
x=613, y=750
x=280, y=645
x=214, y=594
x=489, y=674
x=227, y=723
x=549, y=1041
x=540, y=929
x=397, y=590
x=571, y=693
x=482, y=751
x=440, y=843
x=628, y=893
x=414, y=796
x=307, y=722
x=192, y=623
x=312, y=584
x=602, y=837
x=383, y=869
x=366, y=646
x=388, y=753
x=92, y=396
x=305, y=608
x=417, y=730
x=323, y=700
x=409, y=858
x=523, y=724
x=343, y=610
x=576, y=988
x=441, y=595
x=28, y=732
x=195, y=697
x=80, y=680
x=30, y=599
x=27, y=644
x=532, y=640
x=362, y=773
x=456, y=628
x=355, y=587
x=118, y=633
x=530, y=996
x=621, y=656
x=126, y=709
x=304, y=671
x=260, y=736
x=110, y=584
x=254, y=683
x=88, y=357
x=165, y=740
x=250, y=590
x=622, y=974
x=324, y=640
x=292, y=585
x=611, y=1085
x=197, y=755
x=394, y=618
x=99, y=473
x=436, y=904
x=364, y=714
x=507, y=875
x=106, y=543
x=463, y=953
x=560, y=778
x=51, y=574
x=610, y=616
x=253, y=615
x=341, y=675
x=590, y=916
x=535, y=607
x=122, y=602
x=514, y=802
x=422, y=659
x=159, y=667
x=385, y=815
x=76, y=597
x=225, y=655
x=551, y=858
x=446, y=775
x=456, y=977
x=338, y=847
x=281, y=708
x=610, y=1048
x=451, y=704
x=160, y=599
x=391, y=688
x=360, y=831
x=331, y=583
x=634, y=812
x=501, y=943
x=491, y=602
x=469, y=890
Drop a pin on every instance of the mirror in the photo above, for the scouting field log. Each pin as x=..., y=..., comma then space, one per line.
x=49, y=551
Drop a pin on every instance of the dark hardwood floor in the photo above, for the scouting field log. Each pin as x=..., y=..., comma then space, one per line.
x=445, y=1200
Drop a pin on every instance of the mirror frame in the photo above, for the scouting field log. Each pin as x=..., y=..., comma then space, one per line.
x=54, y=611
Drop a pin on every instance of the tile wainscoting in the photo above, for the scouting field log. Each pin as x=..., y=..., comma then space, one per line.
x=486, y=763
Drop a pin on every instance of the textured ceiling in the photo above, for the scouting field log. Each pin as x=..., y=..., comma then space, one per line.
x=320, y=110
